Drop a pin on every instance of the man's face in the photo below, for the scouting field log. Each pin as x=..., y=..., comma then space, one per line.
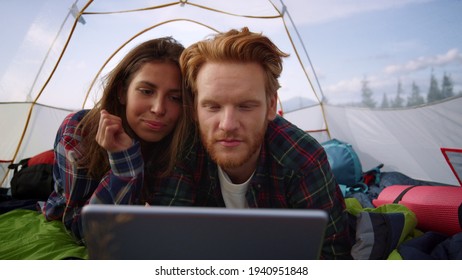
x=233, y=112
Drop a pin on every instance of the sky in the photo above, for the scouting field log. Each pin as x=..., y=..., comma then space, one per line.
x=382, y=41
x=347, y=41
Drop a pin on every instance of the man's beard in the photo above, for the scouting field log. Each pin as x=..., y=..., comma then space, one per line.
x=226, y=162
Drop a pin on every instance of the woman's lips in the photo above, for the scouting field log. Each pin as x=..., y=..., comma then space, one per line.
x=155, y=125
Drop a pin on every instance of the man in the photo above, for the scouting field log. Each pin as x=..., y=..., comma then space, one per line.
x=253, y=157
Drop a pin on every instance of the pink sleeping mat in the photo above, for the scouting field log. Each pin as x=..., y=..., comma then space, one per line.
x=437, y=208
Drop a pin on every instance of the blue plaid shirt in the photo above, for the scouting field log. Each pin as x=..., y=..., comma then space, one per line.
x=121, y=185
x=74, y=188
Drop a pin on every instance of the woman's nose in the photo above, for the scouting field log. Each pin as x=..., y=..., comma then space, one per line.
x=158, y=105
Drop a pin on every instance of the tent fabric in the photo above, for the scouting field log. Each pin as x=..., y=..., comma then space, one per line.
x=39, y=136
x=59, y=50
x=405, y=140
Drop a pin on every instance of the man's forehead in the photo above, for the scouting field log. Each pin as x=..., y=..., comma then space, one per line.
x=230, y=73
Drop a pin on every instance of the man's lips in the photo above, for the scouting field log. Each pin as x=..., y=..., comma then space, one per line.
x=229, y=142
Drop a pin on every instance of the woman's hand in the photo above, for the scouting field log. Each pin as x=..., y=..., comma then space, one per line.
x=111, y=134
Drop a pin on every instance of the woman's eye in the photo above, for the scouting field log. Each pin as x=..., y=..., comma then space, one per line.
x=145, y=91
x=176, y=98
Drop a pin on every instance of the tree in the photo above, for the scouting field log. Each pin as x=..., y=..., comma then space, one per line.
x=366, y=94
x=398, y=101
x=385, y=103
x=447, y=87
x=415, y=99
x=434, y=92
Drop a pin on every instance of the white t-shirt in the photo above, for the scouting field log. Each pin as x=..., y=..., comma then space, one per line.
x=233, y=194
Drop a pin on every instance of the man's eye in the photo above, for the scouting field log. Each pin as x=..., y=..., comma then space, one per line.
x=247, y=107
x=211, y=107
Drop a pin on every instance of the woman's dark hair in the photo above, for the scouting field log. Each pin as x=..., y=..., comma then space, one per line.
x=165, y=152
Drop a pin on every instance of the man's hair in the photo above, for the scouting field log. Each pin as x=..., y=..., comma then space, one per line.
x=234, y=46
x=165, y=50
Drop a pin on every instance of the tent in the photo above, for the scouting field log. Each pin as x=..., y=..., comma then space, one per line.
x=55, y=52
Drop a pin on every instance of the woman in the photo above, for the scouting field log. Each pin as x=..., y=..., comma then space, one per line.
x=102, y=154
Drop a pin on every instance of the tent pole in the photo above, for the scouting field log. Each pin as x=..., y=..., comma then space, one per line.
x=26, y=125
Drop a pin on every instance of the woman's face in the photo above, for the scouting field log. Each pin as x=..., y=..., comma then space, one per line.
x=153, y=100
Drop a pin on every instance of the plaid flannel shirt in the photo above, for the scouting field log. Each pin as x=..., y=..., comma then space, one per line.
x=73, y=188
x=292, y=172
x=122, y=184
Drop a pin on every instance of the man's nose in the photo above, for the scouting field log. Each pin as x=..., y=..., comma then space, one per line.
x=229, y=120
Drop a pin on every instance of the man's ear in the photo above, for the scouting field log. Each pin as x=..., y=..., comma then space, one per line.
x=272, y=106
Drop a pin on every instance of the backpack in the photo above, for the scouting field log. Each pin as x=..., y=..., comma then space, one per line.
x=347, y=169
x=33, y=177
x=377, y=232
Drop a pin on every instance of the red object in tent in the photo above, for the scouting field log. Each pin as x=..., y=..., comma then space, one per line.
x=47, y=157
x=437, y=208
